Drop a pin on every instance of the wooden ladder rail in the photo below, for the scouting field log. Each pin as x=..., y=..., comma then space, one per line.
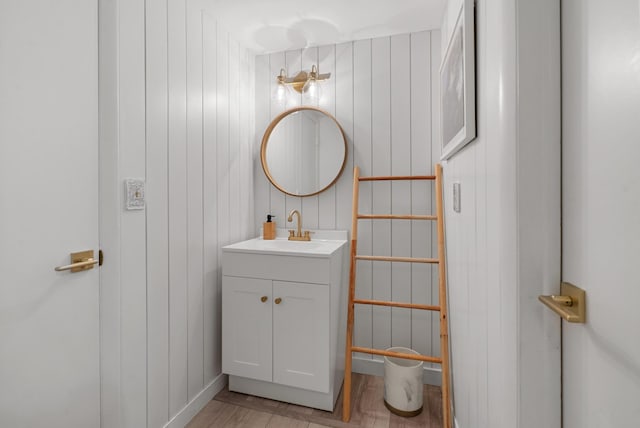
x=443, y=360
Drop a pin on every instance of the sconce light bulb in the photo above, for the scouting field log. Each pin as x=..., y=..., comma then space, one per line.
x=312, y=90
x=280, y=94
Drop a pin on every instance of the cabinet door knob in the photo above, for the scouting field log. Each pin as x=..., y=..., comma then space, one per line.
x=278, y=300
x=263, y=299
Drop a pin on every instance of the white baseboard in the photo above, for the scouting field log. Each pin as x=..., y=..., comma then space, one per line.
x=182, y=418
x=455, y=423
x=431, y=376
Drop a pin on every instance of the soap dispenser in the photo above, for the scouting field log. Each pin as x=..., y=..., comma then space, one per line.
x=269, y=228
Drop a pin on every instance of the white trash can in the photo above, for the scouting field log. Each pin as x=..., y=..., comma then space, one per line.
x=403, y=383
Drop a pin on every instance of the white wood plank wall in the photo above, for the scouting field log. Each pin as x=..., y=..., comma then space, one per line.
x=383, y=92
x=503, y=247
x=199, y=146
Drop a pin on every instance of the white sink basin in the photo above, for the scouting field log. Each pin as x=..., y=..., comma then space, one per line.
x=315, y=247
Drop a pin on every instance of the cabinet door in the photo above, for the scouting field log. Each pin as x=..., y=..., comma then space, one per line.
x=301, y=351
x=246, y=327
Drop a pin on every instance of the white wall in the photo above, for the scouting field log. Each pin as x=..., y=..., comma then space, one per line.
x=504, y=247
x=200, y=102
x=122, y=234
x=382, y=91
x=177, y=106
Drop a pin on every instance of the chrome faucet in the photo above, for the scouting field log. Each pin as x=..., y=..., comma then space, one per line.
x=297, y=235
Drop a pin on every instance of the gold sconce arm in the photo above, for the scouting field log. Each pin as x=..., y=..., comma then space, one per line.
x=570, y=304
x=298, y=81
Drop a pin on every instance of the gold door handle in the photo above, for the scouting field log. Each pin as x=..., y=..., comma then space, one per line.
x=570, y=304
x=80, y=261
x=263, y=299
x=278, y=300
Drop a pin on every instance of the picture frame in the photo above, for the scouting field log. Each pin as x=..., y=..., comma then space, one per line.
x=457, y=84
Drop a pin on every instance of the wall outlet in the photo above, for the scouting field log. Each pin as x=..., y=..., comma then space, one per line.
x=456, y=197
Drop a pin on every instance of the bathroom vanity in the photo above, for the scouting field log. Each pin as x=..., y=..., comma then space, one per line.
x=283, y=318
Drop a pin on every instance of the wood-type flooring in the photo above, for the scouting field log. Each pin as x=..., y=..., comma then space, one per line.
x=233, y=410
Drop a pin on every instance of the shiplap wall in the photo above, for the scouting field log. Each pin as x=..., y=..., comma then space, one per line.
x=199, y=145
x=384, y=93
x=503, y=248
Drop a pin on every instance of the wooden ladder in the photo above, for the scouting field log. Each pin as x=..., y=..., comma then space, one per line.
x=443, y=360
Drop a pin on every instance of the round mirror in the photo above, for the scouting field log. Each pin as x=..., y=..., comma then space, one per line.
x=303, y=151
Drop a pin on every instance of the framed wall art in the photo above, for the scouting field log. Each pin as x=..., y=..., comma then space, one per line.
x=457, y=84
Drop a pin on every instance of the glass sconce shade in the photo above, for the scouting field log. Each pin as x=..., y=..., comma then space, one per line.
x=280, y=94
x=312, y=90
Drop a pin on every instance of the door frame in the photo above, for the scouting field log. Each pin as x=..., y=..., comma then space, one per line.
x=122, y=154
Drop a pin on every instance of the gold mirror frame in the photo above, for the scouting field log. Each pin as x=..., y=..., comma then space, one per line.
x=265, y=141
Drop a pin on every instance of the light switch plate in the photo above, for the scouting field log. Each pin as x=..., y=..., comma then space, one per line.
x=134, y=190
x=456, y=197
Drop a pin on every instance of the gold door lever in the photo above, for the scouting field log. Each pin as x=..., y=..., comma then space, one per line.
x=570, y=304
x=80, y=261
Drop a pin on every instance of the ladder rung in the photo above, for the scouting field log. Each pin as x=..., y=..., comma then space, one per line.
x=398, y=177
x=397, y=304
x=396, y=259
x=396, y=217
x=425, y=358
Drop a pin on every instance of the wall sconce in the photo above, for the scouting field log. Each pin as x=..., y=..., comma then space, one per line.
x=303, y=82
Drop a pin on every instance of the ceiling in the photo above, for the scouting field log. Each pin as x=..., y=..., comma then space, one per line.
x=279, y=25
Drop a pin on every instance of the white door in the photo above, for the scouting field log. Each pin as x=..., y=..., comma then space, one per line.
x=601, y=211
x=301, y=321
x=49, y=328
x=247, y=327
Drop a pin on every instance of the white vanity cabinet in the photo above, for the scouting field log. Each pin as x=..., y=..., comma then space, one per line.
x=276, y=331
x=283, y=324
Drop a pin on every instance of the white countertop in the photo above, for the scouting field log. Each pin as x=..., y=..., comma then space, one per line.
x=323, y=243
